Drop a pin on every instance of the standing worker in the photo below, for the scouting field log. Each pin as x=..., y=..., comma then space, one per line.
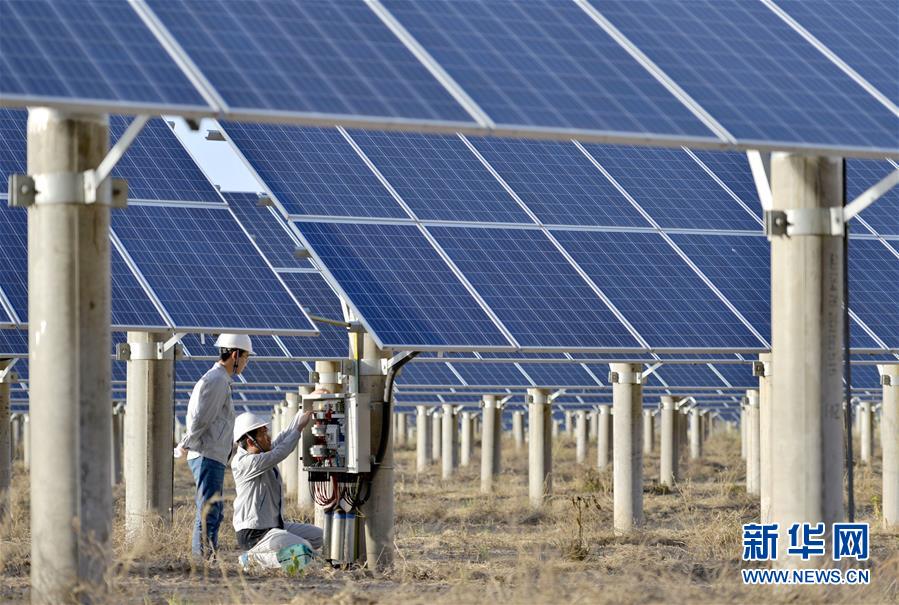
x=262, y=533
x=208, y=439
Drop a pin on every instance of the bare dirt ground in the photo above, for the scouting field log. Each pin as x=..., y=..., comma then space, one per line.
x=457, y=546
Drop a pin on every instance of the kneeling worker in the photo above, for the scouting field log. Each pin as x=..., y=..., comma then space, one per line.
x=258, y=507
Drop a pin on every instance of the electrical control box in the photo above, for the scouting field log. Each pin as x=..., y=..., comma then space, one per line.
x=338, y=439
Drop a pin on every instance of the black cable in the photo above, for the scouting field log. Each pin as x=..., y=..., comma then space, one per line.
x=847, y=366
x=174, y=430
x=386, y=408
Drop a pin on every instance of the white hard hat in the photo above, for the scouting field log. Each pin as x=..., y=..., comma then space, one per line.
x=235, y=341
x=247, y=422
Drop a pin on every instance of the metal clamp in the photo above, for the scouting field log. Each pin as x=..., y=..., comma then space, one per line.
x=147, y=351
x=804, y=221
x=761, y=369
x=626, y=377
x=66, y=188
x=887, y=380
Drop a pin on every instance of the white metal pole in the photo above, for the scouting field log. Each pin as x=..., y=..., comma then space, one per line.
x=539, y=447
x=422, y=432
x=603, y=439
x=627, y=400
x=649, y=436
x=518, y=429
x=695, y=434
x=448, y=446
x=489, y=434
x=466, y=447
x=668, y=461
x=580, y=429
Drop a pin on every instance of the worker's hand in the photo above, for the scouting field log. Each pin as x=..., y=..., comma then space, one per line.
x=304, y=420
x=320, y=392
x=180, y=451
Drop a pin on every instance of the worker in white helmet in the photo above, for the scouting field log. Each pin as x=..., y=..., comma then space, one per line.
x=208, y=438
x=267, y=539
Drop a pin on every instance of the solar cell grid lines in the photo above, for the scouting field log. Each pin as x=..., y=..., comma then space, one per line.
x=533, y=289
x=428, y=374
x=874, y=287
x=753, y=73
x=317, y=298
x=228, y=283
x=668, y=304
x=558, y=374
x=883, y=214
x=672, y=188
x=543, y=63
x=318, y=57
x=558, y=183
x=14, y=343
x=97, y=53
x=267, y=229
x=313, y=171
x=401, y=287
x=491, y=374
x=732, y=168
x=439, y=178
x=12, y=142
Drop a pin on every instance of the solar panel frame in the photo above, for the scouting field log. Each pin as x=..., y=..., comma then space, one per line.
x=883, y=215
x=267, y=229
x=874, y=287
x=317, y=296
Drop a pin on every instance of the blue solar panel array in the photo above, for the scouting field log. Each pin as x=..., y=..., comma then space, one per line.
x=733, y=169
x=267, y=229
x=14, y=343
x=491, y=374
x=656, y=290
x=431, y=373
x=97, y=52
x=874, y=287
x=317, y=298
x=753, y=73
x=883, y=214
x=227, y=283
x=401, y=286
x=543, y=63
x=532, y=288
x=559, y=374
x=313, y=56
x=287, y=372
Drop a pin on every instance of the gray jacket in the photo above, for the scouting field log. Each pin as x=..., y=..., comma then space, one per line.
x=210, y=417
x=259, y=501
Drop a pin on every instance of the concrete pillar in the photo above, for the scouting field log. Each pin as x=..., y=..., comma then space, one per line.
x=26, y=442
x=889, y=445
x=627, y=480
x=436, y=435
x=682, y=433
x=422, y=434
x=402, y=433
x=539, y=447
x=866, y=444
x=448, y=441
x=518, y=429
x=753, y=448
x=569, y=423
x=649, y=432
x=807, y=350
x=668, y=461
x=743, y=436
x=291, y=463
x=603, y=438
x=555, y=428
x=593, y=418
x=490, y=438
x=467, y=441
x=766, y=446
x=118, y=444
x=149, y=428
x=581, y=435
x=69, y=367
x=456, y=448
x=304, y=493
x=695, y=434
x=5, y=440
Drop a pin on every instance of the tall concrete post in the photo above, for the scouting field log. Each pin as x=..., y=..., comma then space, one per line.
x=555, y=428
x=569, y=423
x=580, y=429
x=695, y=434
x=668, y=461
x=149, y=427
x=304, y=493
x=422, y=433
x=627, y=479
x=490, y=436
x=436, y=435
x=744, y=422
x=649, y=432
x=540, y=460
x=448, y=442
x=866, y=445
x=292, y=462
x=69, y=365
x=603, y=438
x=5, y=440
x=753, y=450
x=26, y=442
x=118, y=444
x=518, y=429
x=766, y=447
x=467, y=440
x=682, y=433
x=456, y=447
x=807, y=346
x=889, y=444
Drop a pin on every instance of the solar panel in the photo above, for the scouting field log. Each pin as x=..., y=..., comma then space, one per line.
x=491, y=374
x=317, y=298
x=558, y=183
x=401, y=287
x=861, y=33
x=866, y=376
x=267, y=229
x=740, y=267
x=532, y=288
x=883, y=214
x=760, y=79
x=738, y=374
x=98, y=53
x=689, y=375
x=656, y=290
x=732, y=168
x=427, y=374
x=439, y=178
x=309, y=56
x=558, y=374
x=205, y=271
x=204, y=345
x=313, y=171
x=13, y=343
x=288, y=372
x=673, y=188
x=12, y=142
x=874, y=287
x=543, y=63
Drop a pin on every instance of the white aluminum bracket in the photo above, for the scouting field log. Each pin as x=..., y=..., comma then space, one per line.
x=625, y=377
x=762, y=179
x=871, y=195
x=761, y=369
x=147, y=351
x=651, y=370
x=804, y=221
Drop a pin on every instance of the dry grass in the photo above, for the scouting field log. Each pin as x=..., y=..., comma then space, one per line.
x=457, y=546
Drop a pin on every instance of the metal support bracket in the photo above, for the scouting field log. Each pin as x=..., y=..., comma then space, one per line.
x=651, y=370
x=887, y=380
x=804, y=221
x=148, y=351
x=7, y=376
x=761, y=369
x=626, y=377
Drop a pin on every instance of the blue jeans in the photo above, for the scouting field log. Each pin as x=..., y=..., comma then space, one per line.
x=209, y=475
